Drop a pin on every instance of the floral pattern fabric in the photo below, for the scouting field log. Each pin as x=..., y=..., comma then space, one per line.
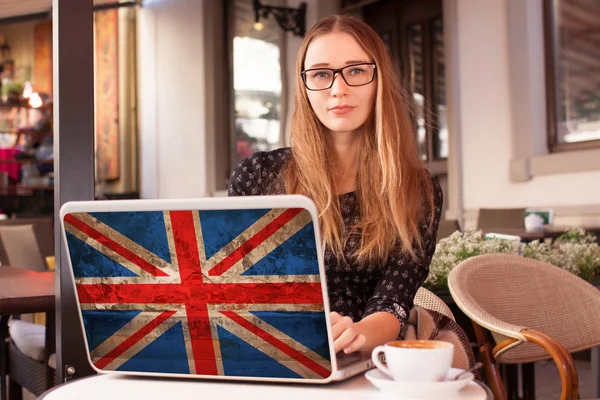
x=354, y=291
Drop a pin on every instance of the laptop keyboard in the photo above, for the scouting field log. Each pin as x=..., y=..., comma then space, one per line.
x=343, y=359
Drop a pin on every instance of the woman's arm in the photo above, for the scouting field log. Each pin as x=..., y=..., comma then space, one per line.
x=387, y=309
x=364, y=335
x=378, y=328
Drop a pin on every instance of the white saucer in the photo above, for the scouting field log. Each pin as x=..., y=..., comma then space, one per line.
x=420, y=390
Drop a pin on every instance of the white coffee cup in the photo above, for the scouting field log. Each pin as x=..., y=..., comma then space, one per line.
x=415, y=360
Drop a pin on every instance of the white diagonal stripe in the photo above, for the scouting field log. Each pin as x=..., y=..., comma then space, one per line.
x=129, y=244
x=145, y=341
x=127, y=331
x=152, y=259
x=270, y=350
x=263, y=249
x=188, y=344
x=266, y=247
x=238, y=241
x=271, y=330
x=155, y=309
x=171, y=241
x=212, y=317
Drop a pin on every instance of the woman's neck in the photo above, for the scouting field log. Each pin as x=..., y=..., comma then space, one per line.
x=345, y=166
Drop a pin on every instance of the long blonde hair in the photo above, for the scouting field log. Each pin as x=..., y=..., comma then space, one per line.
x=394, y=189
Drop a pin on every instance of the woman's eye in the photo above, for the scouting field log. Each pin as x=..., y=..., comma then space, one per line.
x=356, y=71
x=321, y=75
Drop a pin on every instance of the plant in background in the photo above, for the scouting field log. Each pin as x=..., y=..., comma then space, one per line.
x=12, y=88
x=11, y=92
x=576, y=251
x=459, y=246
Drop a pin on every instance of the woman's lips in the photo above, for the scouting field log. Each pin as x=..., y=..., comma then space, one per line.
x=340, y=110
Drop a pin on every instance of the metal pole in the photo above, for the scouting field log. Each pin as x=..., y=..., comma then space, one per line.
x=73, y=59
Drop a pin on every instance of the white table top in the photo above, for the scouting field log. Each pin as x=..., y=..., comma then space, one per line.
x=113, y=387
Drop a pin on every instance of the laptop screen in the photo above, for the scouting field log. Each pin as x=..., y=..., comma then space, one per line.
x=231, y=292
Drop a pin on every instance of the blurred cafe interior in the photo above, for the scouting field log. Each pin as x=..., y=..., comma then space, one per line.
x=158, y=99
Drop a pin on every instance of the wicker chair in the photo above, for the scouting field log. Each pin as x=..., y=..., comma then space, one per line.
x=21, y=246
x=429, y=327
x=43, y=228
x=27, y=366
x=426, y=299
x=34, y=374
x=534, y=311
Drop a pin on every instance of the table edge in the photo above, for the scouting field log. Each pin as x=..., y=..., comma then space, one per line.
x=486, y=389
x=34, y=304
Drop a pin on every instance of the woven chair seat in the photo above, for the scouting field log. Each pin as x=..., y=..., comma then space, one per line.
x=27, y=372
x=427, y=299
x=506, y=294
x=26, y=357
x=28, y=337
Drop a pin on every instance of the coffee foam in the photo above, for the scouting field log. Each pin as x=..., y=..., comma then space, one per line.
x=420, y=344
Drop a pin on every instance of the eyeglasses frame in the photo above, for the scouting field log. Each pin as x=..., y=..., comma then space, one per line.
x=336, y=71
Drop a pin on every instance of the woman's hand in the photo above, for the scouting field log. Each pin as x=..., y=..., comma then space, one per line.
x=345, y=335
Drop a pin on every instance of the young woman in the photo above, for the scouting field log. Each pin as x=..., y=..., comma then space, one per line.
x=353, y=152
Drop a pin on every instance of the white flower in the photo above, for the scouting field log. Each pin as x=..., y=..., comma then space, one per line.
x=576, y=251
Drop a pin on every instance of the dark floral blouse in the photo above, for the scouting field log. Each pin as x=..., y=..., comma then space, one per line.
x=353, y=291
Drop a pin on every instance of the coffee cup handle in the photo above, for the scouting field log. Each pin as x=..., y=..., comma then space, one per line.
x=375, y=357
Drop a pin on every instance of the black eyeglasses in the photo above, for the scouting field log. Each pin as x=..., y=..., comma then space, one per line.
x=353, y=75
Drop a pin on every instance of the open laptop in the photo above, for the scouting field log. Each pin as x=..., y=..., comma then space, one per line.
x=220, y=288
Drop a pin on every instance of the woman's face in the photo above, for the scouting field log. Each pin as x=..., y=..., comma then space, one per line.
x=341, y=108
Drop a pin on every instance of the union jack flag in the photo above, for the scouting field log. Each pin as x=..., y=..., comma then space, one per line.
x=219, y=292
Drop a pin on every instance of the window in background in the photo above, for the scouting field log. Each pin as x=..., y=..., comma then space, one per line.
x=425, y=70
x=572, y=47
x=256, y=81
x=440, y=137
x=417, y=84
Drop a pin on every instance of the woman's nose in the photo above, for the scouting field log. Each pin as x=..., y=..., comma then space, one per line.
x=339, y=86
